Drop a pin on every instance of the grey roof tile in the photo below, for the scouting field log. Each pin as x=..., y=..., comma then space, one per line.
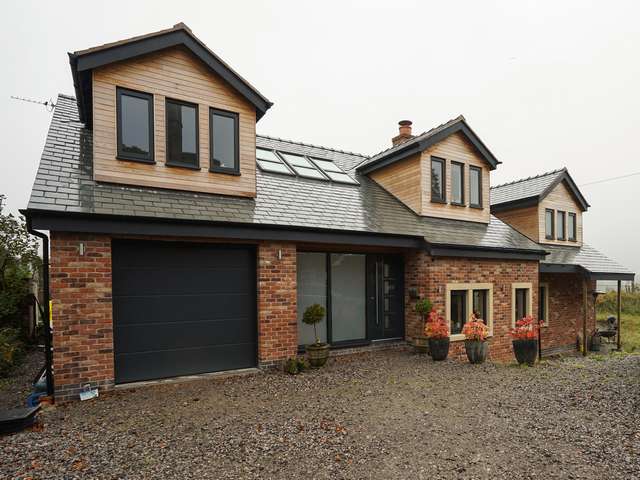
x=586, y=256
x=281, y=201
x=525, y=188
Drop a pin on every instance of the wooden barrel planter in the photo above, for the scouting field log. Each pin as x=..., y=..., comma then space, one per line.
x=421, y=345
x=318, y=354
x=526, y=351
x=439, y=348
x=476, y=351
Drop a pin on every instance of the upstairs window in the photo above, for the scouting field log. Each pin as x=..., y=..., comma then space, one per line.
x=438, y=186
x=182, y=134
x=572, y=229
x=475, y=187
x=134, y=113
x=225, y=141
x=549, y=233
x=457, y=183
x=562, y=234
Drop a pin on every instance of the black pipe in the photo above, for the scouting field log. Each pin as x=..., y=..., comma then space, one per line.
x=48, y=334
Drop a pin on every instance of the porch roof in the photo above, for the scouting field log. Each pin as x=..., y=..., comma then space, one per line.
x=584, y=259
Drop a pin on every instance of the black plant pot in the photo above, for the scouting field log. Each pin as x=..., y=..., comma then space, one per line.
x=526, y=351
x=476, y=350
x=595, y=342
x=439, y=348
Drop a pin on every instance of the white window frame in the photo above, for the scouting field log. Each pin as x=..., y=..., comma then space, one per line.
x=514, y=287
x=469, y=287
x=544, y=285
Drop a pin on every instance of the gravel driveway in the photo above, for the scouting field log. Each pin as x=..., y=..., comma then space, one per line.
x=381, y=415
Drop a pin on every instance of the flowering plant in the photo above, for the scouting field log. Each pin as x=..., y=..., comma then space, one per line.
x=436, y=327
x=475, y=329
x=526, y=329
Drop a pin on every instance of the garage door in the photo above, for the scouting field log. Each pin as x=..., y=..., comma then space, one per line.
x=182, y=309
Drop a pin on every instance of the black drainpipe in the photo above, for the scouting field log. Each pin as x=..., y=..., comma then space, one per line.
x=48, y=350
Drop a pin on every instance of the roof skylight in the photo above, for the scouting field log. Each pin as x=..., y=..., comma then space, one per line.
x=302, y=166
x=270, y=162
x=333, y=171
x=290, y=164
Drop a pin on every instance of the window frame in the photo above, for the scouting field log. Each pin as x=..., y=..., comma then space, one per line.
x=236, y=119
x=443, y=163
x=462, y=184
x=552, y=235
x=572, y=235
x=469, y=287
x=561, y=214
x=544, y=286
x=529, y=305
x=134, y=157
x=181, y=164
x=479, y=170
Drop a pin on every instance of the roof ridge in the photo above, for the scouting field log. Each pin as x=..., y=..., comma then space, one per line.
x=68, y=97
x=558, y=170
x=311, y=145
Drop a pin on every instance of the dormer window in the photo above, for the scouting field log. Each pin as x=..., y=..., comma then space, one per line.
x=182, y=134
x=134, y=125
x=549, y=232
x=560, y=225
x=571, y=227
x=475, y=187
x=457, y=183
x=225, y=141
x=438, y=180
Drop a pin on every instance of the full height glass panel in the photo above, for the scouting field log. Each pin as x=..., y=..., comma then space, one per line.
x=312, y=288
x=348, y=296
x=458, y=310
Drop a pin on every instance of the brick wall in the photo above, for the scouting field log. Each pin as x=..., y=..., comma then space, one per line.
x=429, y=276
x=82, y=314
x=566, y=311
x=277, y=310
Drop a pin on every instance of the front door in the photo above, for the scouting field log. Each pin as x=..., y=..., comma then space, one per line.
x=385, y=296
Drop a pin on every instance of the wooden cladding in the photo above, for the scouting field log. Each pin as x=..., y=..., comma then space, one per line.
x=560, y=199
x=176, y=74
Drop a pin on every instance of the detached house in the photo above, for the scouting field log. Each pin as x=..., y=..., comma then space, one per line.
x=181, y=242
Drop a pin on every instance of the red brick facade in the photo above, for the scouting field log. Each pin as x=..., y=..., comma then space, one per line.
x=82, y=314
x=277, y=300
x=566, y=311
x=429, y=277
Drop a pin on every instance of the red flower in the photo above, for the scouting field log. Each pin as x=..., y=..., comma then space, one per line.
x=475, y=329
x=526, y=329
x=436, y=327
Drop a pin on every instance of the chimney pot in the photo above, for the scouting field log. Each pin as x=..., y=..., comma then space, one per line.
x=404, y=132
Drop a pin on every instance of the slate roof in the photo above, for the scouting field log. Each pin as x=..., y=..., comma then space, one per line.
x=586, y=257
x=64, y=184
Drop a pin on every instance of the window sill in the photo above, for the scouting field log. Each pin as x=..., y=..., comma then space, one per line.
x=438, y=201
x=459, y=337
x=182, y=165
x=456, y=204
x=477, y=207
x=226, y=172
x=132, y=159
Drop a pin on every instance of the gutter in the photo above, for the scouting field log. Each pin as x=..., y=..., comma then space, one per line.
x=48, y=349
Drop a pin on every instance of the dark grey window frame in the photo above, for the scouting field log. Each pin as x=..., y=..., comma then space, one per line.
x=479, y=170
x=442, y=162
x=236, y=118
x=572, y=235
x=181, y=164
x=550, y=235
x=120, y=154
x=462, y=185
x=563, y=214
x=524, y=292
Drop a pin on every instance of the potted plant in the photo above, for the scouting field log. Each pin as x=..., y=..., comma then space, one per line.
x=421, y=342
x=437, y=331
x=475, y=344
x=318, y=352
x=525, y=340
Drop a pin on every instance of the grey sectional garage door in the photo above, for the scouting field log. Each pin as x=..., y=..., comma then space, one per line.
x=181, y=309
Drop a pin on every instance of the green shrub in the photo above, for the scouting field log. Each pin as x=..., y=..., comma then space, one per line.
x=313, y=315
x=11, y=350
x=608, y=303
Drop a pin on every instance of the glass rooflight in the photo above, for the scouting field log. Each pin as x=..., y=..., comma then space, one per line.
x=270, y=162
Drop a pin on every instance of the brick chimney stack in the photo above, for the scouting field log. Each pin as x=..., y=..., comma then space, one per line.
x=404, y=132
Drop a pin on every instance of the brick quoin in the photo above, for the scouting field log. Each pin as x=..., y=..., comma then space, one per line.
x=429, y=276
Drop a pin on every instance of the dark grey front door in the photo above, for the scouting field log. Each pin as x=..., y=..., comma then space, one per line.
x=385, y=294
x=182, y=308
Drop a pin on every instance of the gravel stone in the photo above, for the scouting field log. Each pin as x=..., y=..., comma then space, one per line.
x=377, y=415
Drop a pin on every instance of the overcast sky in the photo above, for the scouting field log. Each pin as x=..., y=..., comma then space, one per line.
x=544, y=84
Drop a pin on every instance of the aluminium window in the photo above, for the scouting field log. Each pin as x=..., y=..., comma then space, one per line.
x=302, y=166
x=438, y=183
x=270, y=162
x=463, y=299
x=549, y=224
x=475, y=187
x=224, y=139
x=560, y=225
x=521, y=301
x=134, y=122
x=543, y=303
x=457, y=183
x=572, y=228
x=182, y=134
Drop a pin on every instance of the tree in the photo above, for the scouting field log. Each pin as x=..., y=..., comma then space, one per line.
x=18, y=261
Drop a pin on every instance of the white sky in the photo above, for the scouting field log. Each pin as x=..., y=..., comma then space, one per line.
x=544, y=84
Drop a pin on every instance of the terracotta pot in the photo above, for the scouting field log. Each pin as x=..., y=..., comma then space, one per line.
x=476, y=350
x=439, y=348
x=318, y=354
x=526, y=351
x=421, y=344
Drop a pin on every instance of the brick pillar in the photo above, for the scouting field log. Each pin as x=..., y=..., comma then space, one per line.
x=277, y=298
x=416, y=277
x=82, y=313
